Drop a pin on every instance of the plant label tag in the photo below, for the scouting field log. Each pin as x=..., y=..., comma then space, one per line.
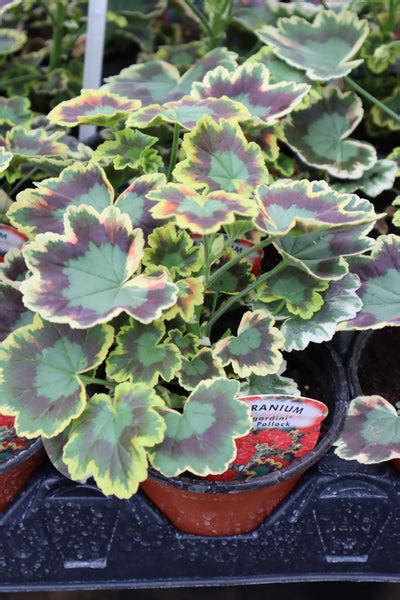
x=255, y=258
x=10, y=238
x=10, y=443
x=285, y=428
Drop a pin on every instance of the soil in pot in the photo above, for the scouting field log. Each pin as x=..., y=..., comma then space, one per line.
x=19, y=458
x=225, y=508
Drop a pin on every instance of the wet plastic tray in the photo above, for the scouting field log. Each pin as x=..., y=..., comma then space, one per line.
x=342, y=522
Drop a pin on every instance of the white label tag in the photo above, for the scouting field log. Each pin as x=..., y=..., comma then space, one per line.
x=270, y=412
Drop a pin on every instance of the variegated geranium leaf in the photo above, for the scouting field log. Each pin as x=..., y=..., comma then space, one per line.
x=11, y=40
x=42, y=209
x=134, y=201
x=381, y=118
x=371, y=432
x=13, y=270
x=300, y=291
x=141, y=357
x=303, y=206
x=125, y=151
x=187, y=343
x=35, y=144
x=257, y=347
x=190, y=295
x=181, y=56
x=320, y=133
x=237, y=278
x=14, y=111
x=218, y=156
x=5, y=159
x=201, y=439
x=249, y=84
x=202, y=214
x=203, y=365
x=380, y=286
x=157, y=82
x=340, y=303
x=87, y=275
x=324, y=49
x=270, y=384
x=323, y=253
x=278, y=69
x=94, y=107
x=172, y=249
x=40, y=367
x=6, y=4
x=374, y=181
x=109, y=441
x=187, y=111
x=13, y=313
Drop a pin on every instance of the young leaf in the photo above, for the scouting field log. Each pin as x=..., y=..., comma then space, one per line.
x=110, y=439
x=249, y=84
x=134, y=201
x=380, y=286
x=172, y=249
x=300, y=207
x=86, y=276
x=14, y=111
x=201, y=438
x=187, y=343
x=126, y=150
x=11, y=40
x=255, y=349
x=188, y=111
x=140, y=357
x=157, y=82
x=371, y=432
x=92, y=107
x=202, y=214
x=320, y=133
x=381, y=118
x=40, y=366
x=5, y=159
x=181, y=56
x=202, y=366
x=340, y=303
x=323, y=48
x=374, y=181
x=219, y=157
x=300, y=291
x=42, y=209
x=237, y=278
x=190, y=295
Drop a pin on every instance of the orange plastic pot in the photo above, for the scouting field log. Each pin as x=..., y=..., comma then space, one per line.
x=17, y=470
x=215, y=508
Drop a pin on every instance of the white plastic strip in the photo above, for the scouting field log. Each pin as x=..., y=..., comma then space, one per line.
x=93, y=67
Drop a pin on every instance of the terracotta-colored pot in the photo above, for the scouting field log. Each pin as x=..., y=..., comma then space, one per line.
x=230, y=507
x=17, y=470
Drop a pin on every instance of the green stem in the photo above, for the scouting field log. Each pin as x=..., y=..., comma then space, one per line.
x=236, y=259
x=234, y=299
x=23, y=179
x=19, y=79
x=56, y=48
x=202, y=18
x=174, y=151
x=214, y=305
x=372, y=99
x=87, y=379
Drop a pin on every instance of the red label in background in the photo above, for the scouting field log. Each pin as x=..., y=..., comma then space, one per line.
x=10, y=443
x=285, y=428
x=10, y=238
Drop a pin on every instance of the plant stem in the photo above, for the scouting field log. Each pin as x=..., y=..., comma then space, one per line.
x=174, y=151
x=372, y=99
x=202, y=18
x=23, y=179
x=87, y=379
x=19, y=79
x=227, y=305
x=56, y=48
x=231, y=263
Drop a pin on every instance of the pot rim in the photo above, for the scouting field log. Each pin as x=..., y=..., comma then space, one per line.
x=296, y=468
x=21, y=456
x=359, y=346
